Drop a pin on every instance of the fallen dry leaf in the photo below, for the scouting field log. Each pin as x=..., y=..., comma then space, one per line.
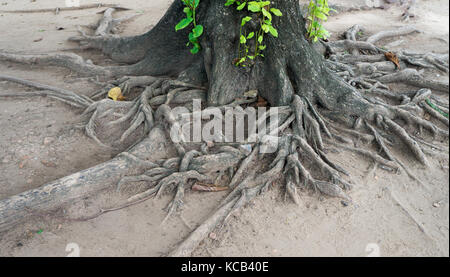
x=393, y=58
x=261, y=102
x=116, y=94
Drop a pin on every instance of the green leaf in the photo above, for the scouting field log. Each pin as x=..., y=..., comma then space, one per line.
x=276, y=12
x=241, y=61
x=184, y=23
x=267, y=14
x=245, y=20
x=260, y=39
x=192, y=38
x=188, y=12
x=241, y=6
x=243, y=40
x=230, y=2
x=196, y=3
x=195, y=50
x=198, y=31
x=254, y=7
x=273, y=31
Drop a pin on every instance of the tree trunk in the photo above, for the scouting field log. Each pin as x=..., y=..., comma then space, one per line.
x=290, y=66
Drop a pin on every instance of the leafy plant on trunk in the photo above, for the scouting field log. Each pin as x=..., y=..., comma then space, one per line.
x=263, y=14
x=197, y=31
x=318, y=12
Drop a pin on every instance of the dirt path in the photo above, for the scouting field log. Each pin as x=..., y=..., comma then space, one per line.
x=39, y=143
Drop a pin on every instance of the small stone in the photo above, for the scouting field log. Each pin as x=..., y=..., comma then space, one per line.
x=213, y=236
x=24, y=161
x=344, y=203
x=19, y=244
x=436, y=205
x=48, y=140
x=210, y=144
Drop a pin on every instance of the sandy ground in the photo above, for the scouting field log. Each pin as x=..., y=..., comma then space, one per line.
x=39, y=143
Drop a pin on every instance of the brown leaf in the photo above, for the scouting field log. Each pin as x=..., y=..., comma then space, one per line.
x=261, y=102
x=393, y=58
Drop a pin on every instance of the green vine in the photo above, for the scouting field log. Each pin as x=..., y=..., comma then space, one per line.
x=197, y=30
x=436, y=108
x=264, y=15
x=318, y=12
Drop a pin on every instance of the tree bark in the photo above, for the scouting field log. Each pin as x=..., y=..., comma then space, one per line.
x=290, y=66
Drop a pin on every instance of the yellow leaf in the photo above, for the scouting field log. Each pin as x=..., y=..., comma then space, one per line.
x=116, y=94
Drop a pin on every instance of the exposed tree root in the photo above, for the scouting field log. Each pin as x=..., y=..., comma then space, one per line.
x=70, y=61
x=406, y=30
x=408, y=213
x=351, y=34
x=63, y=95
x=107, y=24
x=414, y=78
x=103, y=31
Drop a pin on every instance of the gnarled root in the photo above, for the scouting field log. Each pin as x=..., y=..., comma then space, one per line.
x=414, y=78
x=142, y=111
x=66, y=96
x=71, y=61
x=104, y=31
